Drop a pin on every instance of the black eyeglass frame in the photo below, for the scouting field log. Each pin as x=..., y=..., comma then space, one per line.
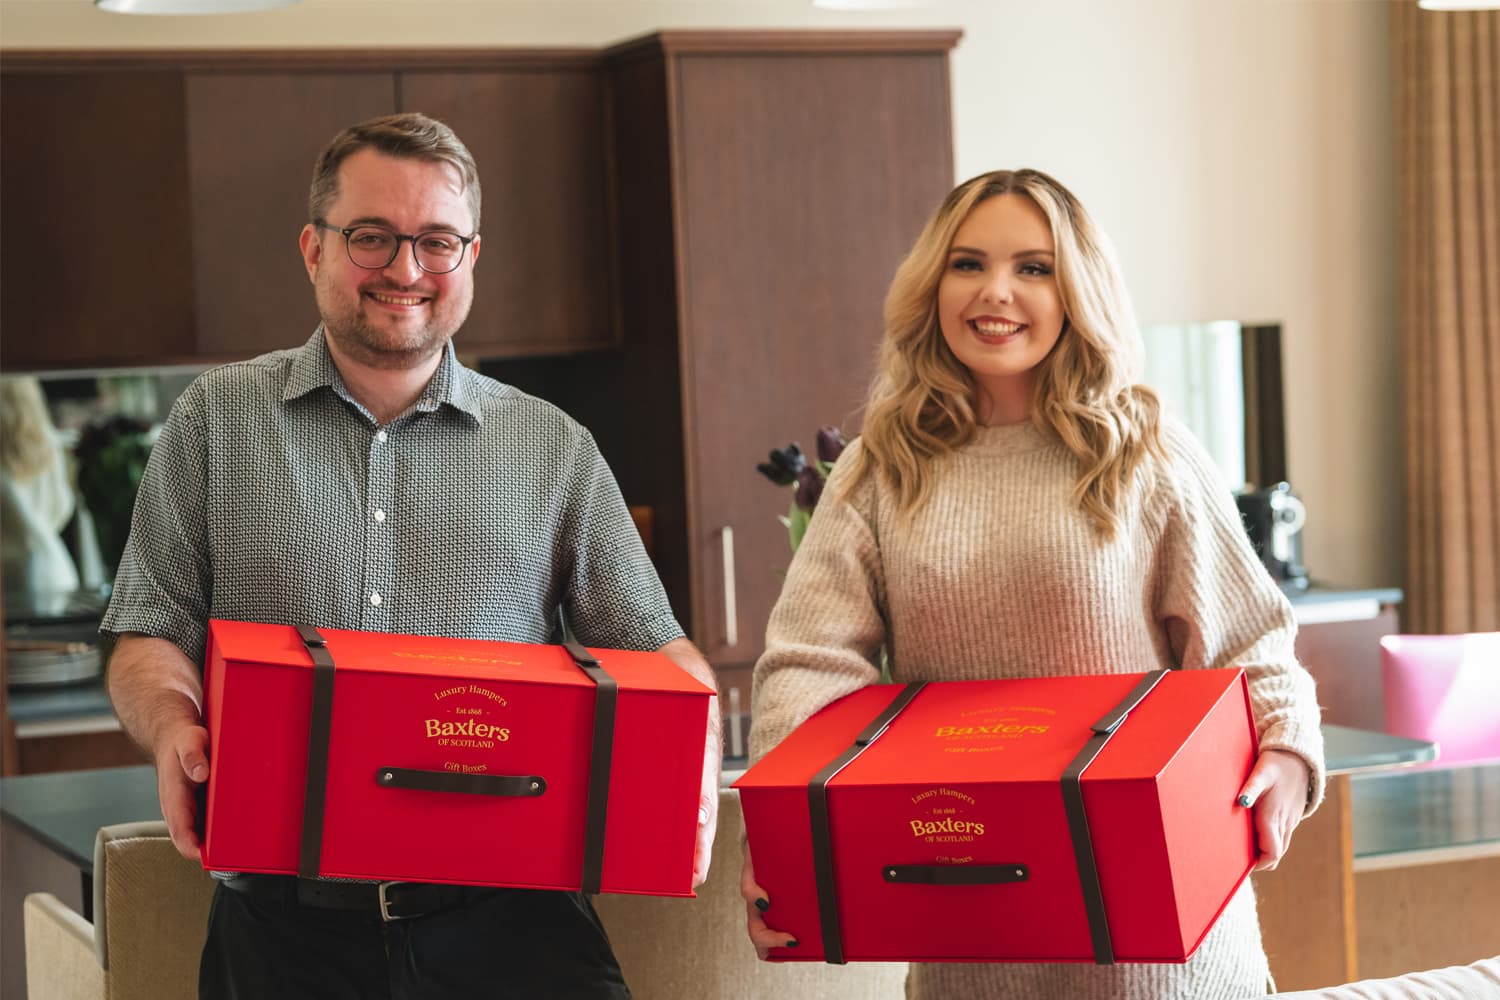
x=396, y=249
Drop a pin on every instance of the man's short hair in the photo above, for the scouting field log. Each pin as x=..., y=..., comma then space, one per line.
x=408, y=135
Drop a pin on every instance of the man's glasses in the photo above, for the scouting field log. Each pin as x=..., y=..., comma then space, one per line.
x=374, y=247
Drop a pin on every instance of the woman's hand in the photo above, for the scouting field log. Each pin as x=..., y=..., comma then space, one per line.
x=1277, y=791
x=756, y=903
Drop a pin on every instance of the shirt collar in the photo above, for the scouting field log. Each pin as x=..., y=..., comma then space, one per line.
x=451, y=384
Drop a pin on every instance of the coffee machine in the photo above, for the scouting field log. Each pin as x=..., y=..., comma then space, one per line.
x=1274, y=518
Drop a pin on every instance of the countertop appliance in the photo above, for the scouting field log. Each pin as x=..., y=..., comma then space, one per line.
x=1274, y=518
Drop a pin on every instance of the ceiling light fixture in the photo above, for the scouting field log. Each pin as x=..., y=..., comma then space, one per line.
x=853, y=5
x=188, y=6
x=1458, y=4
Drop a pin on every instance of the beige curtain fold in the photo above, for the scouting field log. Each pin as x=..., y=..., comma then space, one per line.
x=1446, y=69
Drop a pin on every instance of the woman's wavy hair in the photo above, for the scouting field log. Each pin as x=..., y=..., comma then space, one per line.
x=27, y=446
x=921, y=404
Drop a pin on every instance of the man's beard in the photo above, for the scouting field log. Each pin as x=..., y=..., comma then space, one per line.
x=376, y=346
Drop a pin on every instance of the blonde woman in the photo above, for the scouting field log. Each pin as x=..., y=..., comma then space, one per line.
x=1017, y=507
x=36, y=500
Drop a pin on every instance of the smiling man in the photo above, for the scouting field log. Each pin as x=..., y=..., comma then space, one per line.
x=367, y=480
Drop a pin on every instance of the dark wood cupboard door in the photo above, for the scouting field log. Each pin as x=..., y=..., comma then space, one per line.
x=803, y=179
x=544, y=282
x=252, y=140
x=95, y=239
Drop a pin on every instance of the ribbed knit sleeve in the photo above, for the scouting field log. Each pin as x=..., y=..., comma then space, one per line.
x=827, y=628
x=1221, y=609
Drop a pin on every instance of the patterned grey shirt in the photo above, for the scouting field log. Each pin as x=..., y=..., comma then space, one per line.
x=273, y=496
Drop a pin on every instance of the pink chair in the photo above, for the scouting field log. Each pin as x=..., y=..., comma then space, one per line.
x=1444, y=688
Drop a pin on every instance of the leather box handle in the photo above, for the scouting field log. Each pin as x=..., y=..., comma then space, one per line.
x=517, y=785
x=956, y=874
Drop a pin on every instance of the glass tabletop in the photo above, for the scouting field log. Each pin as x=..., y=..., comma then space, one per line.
x=1426, y=809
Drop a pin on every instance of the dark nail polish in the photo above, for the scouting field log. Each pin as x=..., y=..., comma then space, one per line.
x=763, y=904
x=792, y=943
x=1245, y=801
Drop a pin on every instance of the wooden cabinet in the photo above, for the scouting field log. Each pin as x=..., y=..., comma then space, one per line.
x=152, y=201
x=545, y=280
x=768, y=185
x=1343, y=657
x=251, y=140
x=96, y=241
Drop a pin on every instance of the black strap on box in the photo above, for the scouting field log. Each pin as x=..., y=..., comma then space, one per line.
x=1078, y=822
x=510, y=785
x=822, y=835
x=606, y=695
x=956, y=874
x=314, y=796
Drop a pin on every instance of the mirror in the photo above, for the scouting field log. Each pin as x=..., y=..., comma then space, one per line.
x=75, y=447
x=1223, y=379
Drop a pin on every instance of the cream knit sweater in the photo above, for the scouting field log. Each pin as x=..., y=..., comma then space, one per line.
x=1000, y=574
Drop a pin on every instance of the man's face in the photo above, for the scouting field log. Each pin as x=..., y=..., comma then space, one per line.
x=398, y=316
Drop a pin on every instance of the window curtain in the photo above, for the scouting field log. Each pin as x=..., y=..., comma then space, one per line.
x=1446, y=71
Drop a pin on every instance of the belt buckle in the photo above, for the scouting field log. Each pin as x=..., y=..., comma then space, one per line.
x=386, y=915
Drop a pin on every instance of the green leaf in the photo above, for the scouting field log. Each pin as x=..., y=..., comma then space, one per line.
x=796, y=524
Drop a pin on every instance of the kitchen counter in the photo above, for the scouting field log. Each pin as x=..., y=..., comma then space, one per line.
x=1321, y=603
x=61, y=710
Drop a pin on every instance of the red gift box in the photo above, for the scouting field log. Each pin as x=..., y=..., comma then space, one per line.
x=1056, y=819
x=450, y=760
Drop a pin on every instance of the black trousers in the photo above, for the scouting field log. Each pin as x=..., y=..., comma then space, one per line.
x=508, y=944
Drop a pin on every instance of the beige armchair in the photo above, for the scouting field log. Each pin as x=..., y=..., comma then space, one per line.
x=150, y=918
x=688, y=949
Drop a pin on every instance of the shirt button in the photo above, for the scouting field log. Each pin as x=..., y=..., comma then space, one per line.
x=380, y=517
x=380, y=436
x=375, y=599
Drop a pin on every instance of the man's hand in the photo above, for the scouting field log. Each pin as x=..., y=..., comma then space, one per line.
x=1277, y=791
x=708, y=801
x=181, y=766
x=757, y=903
x=157, y=695
x=683, y=653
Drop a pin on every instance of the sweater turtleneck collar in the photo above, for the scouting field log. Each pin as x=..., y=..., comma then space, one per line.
x=1010, y=439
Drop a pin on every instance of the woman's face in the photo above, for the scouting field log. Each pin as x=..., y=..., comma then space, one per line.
x=998, y=302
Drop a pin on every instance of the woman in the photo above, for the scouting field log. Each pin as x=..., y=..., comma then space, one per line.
x=1016, y=507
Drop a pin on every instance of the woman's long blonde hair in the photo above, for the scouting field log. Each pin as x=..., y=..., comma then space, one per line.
x=27, y=446
x=921, y=404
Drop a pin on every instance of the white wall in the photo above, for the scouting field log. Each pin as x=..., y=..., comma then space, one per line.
x=1240, y=153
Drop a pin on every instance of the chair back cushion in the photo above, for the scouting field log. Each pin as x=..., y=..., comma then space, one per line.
x=1444, y=688
x=150, y=913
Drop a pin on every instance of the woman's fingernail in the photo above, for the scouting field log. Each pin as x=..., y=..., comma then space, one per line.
x=1245, y=801
x=763, y=904
x=792, y=943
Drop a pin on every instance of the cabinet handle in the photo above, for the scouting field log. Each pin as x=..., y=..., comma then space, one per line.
x=731, y=617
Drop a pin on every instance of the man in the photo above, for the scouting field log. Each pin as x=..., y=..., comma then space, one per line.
x=366, y=480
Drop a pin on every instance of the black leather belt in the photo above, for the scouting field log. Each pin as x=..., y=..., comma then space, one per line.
x=387, y=900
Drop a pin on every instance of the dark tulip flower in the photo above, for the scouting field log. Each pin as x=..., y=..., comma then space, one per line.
x=830, y=443
x=809, y=488
x=785, y=466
